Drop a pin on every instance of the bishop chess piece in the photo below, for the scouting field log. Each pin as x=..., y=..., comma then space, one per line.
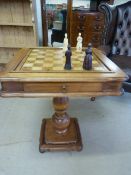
x=79, y=43
x=87, y=64
x=65, y=44
x=68, y=55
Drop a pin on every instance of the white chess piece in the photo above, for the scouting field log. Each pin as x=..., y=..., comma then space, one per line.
x=79, y=43
x=65, y=44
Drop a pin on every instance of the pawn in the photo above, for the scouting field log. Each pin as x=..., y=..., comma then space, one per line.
x=68, y=55
x=65, y=44
x=87, y=64
x=79, y=43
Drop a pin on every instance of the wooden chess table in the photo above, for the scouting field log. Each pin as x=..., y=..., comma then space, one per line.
x=39, y=72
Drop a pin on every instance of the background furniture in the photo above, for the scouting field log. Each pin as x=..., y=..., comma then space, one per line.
x=117, y=37
x=88, y=22
x=17, y=27
x=57, y=34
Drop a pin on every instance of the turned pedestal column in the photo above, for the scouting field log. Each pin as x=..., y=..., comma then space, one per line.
x=60, y=133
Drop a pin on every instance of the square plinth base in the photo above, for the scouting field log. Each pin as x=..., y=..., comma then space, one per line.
x=51, y=141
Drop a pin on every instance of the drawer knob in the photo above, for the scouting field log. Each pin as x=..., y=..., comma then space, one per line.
x=97, y=28
x=95, y=39
x=81, y=29
x=64, y=88
x=98, y=18
x=81, y=17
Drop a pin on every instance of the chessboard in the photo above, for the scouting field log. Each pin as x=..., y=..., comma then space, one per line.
x=53, y=60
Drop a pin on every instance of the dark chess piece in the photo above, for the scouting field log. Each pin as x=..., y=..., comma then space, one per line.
x=68, y=54
x=89, y=48
x=87, y=64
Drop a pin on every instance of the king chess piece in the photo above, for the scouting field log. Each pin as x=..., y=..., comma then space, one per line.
x=79, y=43
x=65, y=43
x=68, y=55
x=87, y=64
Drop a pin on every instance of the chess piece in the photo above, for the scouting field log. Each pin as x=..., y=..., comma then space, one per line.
x=79, y=43
x=68, y=59
x=87, y=64
x=89, y=48
x=65, y=44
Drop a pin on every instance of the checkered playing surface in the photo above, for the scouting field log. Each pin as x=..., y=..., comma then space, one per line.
x=51, y=59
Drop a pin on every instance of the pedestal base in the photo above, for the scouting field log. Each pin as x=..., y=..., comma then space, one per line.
x=51, y=141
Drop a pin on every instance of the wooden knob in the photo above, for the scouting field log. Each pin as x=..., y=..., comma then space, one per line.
x=97, y=28
x=81, y=17
x=81, y=29
x=95, y=39
x=64, y=88
x=98, y=18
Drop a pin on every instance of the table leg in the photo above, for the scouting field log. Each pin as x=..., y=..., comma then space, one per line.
x=61, y=133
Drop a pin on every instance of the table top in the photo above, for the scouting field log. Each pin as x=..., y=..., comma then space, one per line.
x=46, y=65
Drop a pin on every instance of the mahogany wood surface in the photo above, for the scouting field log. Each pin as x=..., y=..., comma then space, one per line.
x=61, y=132
x=89, y=24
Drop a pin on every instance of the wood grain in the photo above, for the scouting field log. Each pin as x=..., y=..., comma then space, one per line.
x=18, y=27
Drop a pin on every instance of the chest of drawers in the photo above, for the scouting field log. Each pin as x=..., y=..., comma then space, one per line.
x=89, y=24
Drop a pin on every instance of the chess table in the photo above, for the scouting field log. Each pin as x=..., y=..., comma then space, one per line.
x=39, y=72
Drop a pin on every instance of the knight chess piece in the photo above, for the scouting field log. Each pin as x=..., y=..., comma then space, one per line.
x=68, y=55
x=87, y=64
x=79, y=43
x=65, y=43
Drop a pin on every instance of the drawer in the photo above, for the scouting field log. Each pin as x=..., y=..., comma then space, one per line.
x=97, y=27
x=79, y=17
x=62, y=87
x=98, y=17
x=93, y=37
x=87, y=18
x=96, y=37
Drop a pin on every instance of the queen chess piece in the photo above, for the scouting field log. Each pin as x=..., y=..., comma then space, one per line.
x=65, y=43
x=79, y=43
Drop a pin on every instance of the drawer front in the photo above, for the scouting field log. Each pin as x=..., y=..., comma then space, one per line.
x=62, y=87
x=96, y=27
x=87, y=18
x=45, y=89
x=79, y=17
